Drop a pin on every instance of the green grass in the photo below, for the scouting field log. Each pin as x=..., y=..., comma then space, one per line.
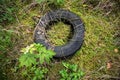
x=59, y=34
x=5, y=40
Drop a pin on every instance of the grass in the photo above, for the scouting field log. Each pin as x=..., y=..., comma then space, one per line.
x=97, y=51
x=59, y=34
x=5, y=40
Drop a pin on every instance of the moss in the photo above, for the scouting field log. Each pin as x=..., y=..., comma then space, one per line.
x=98, y=44
x=59, y=34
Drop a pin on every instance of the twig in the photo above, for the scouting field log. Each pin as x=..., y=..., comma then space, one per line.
x=17, y=19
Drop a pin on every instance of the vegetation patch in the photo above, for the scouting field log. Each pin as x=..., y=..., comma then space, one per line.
x=70, y=72
x=59, y=34
x=33, y=60
x=5, y=40
x=98, y=57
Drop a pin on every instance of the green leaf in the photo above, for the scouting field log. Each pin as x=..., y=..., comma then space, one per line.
x=66, y=65
x=27, y=60
x=73, y=67
x=60, y=1
x=34, y=78
x=39, y=1
x=42, y=58
x=39, y=73
x=63, y=73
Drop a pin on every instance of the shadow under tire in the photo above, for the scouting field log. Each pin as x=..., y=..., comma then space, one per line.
x=67, y=17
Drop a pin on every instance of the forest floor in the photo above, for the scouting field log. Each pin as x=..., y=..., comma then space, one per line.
x=99, y=57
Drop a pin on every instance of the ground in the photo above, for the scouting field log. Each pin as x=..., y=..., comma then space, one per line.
x=98, y=57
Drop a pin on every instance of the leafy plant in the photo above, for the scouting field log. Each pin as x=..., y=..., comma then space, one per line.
x=70, y=72
x=33, y=59
x=7, y=7
x=56, y=2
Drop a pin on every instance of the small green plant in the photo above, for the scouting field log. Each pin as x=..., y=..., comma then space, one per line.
x=33, y=59
x=70, y=72
x=7, y=7
x=55, y=2
x=5, y=40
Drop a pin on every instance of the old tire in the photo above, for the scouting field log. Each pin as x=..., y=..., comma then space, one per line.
x=67, y=17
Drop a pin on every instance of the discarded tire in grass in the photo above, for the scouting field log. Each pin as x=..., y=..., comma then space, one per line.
x=68, y=18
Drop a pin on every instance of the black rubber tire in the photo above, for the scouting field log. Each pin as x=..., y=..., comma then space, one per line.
x=64, y=15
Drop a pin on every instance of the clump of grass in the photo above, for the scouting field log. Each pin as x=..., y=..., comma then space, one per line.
x=59, y=34
x=5, y=40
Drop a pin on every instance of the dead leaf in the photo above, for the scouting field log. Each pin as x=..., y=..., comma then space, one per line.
x=116, y=50
x=109, y=65
x=28, y=31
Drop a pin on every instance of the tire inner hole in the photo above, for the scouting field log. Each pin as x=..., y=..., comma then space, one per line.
x=59, y=33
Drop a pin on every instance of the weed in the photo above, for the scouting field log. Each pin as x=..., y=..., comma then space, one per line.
x=7, y=8
x=55, y=2
x=33, y=59
x=71, y=72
